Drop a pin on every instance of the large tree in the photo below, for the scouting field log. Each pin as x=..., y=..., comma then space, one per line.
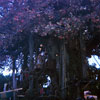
x=76, y=23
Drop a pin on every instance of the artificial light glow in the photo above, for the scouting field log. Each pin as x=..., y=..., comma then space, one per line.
x=48, y=82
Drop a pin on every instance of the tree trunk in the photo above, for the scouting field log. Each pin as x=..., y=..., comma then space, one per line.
x=75, y=68
x=25, y=59
x=14, y=78
x=64, y=64
x=31, y=47
x=83, y=60
x=83, y=57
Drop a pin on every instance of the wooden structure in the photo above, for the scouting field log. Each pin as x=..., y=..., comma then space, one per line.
x=51, y=97
x=66, y=65
x=9, y=93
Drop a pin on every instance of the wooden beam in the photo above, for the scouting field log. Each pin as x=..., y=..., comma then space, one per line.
x=14, y=90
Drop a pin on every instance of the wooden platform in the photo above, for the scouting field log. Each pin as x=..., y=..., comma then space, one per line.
x=9, y=93
x=50, y=97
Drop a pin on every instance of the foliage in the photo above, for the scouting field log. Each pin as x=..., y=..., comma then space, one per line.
x=46, y=16
x=64, y=19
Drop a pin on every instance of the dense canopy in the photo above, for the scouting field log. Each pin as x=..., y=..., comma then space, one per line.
x=64, y=19
x=50, y=37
